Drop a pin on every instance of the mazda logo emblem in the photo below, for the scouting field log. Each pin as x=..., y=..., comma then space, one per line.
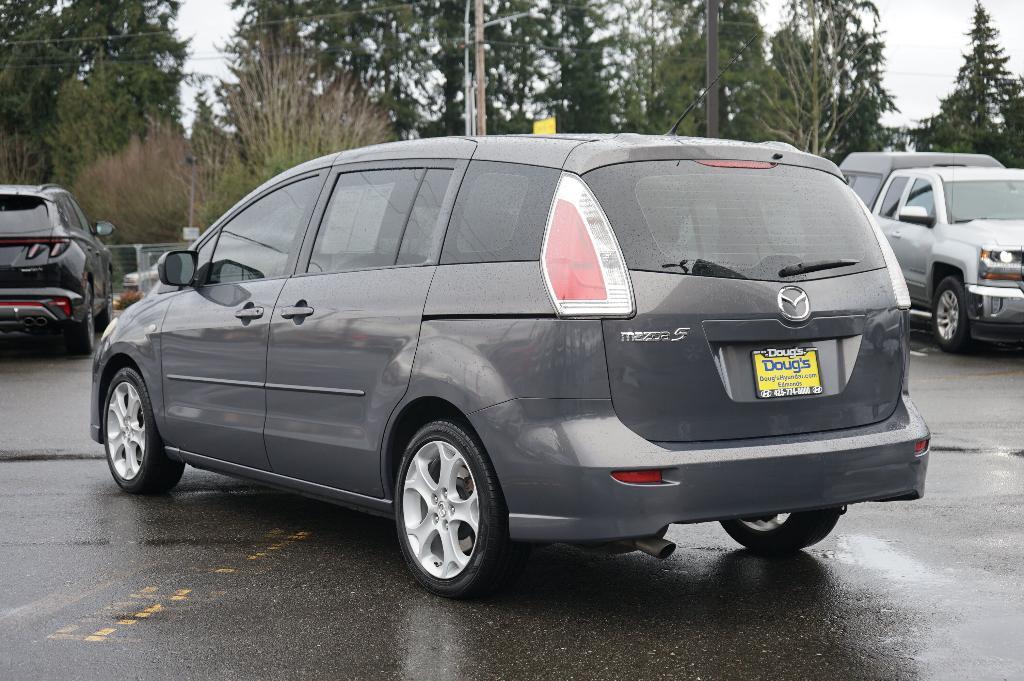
x=794, y=304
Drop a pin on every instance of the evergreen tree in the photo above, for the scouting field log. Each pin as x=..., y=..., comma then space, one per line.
x=579, y=96
x=973, y=118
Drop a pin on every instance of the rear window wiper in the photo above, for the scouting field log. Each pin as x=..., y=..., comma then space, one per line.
x=705, y=268
x=815, y=266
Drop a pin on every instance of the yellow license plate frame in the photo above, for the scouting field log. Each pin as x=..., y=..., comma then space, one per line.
x=786, y=372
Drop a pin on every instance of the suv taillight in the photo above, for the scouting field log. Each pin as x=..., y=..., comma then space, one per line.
x=55, y=246
x=583, y=267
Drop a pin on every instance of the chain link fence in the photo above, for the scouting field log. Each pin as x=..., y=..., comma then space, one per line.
x=135, y=265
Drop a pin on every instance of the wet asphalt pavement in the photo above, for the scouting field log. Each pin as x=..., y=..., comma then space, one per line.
x=229, y=580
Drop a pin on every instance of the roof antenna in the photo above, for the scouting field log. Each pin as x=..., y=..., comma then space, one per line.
x=700, y=97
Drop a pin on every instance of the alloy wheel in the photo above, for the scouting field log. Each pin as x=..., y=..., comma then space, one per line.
x=766, y=524
x=126, y=431
x=440, y=509
x=947, y=315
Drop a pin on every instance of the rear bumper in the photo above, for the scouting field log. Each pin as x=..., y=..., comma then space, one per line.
x=554, y=459
x=38, y=310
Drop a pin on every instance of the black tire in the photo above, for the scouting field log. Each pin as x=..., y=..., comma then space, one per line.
x=960, y=340
x=797, y=532
x=80, y=337
x=158, y=473
x=496, y=560
x=106, y=315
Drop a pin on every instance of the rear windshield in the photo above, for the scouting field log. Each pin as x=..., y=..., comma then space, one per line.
x=985, y=199
x=22, y=214
x=741, y=223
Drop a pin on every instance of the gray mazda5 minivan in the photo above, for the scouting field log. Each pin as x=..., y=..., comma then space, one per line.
x=514, y=340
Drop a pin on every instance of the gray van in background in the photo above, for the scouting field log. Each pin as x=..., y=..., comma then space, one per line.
x=515, y=340
x=867, y=171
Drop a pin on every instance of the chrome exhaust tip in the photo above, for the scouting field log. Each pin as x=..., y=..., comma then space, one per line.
x=655, y=546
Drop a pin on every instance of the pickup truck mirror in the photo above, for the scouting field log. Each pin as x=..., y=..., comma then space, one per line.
x=177, y=268
x=917, y=215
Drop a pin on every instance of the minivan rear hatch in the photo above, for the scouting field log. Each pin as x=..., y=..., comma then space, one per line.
x=763, y=306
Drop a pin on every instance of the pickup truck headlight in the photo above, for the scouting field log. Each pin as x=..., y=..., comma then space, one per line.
x=1000, y=264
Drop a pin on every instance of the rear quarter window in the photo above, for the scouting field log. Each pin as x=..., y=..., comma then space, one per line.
x=683, y=217
x=500, y=213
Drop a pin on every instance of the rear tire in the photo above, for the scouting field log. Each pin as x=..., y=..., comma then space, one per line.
x=106, y=315
x=950, y=325
x=426, y=503
x=135, y=450
x=80, y=337
x=771, y=536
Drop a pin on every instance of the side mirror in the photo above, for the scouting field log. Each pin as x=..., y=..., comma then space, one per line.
x=177, y=268
x=103, y=228
x=917, y=215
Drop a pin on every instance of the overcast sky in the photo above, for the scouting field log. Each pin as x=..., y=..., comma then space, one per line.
x=925, y=42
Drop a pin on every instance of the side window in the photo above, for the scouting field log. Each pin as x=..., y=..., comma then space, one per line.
x=500, y=213
x=866, y=187
x=80, y=214
x=921, y=194
x=65, y=213
x=257, y=242
x=892, y=198
x=363, y=223
x=424, y=231
x=203, y=256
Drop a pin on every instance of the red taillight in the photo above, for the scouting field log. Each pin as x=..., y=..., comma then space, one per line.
x=583, y=267
x=58, y=247
x=648, y=477
x=64, y=304
x=921, y=446
x=570, y=258
x=20, y=303
x=750, y=165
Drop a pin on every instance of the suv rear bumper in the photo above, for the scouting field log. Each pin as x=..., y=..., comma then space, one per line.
x=555, y=457
x=40, y=312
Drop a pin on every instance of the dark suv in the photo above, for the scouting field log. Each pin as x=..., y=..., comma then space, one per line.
x=507, y=341
x=55, y=274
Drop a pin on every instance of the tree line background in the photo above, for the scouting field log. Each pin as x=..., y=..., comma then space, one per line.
x=89, y=89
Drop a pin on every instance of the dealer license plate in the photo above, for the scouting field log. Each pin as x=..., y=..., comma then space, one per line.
x=786, y=372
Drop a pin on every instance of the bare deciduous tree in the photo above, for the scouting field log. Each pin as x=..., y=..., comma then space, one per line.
x=826, y=64
x=19, y=164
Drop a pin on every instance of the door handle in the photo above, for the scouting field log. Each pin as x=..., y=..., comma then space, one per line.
x=299, y=310
x=249, y=312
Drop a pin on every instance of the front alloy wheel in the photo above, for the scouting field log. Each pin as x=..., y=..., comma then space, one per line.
x=950, y=324
x=126, y=431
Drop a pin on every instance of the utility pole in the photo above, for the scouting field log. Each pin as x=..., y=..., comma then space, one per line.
x=467, y=84
x=481, y=79
x=712, y=41
x=191, y=161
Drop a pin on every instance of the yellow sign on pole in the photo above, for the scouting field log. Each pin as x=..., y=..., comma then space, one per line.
x=545, y=126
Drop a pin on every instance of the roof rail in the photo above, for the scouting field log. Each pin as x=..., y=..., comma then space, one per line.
x=50, y=185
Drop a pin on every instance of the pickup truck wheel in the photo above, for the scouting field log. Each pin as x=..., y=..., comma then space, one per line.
x=950, y=325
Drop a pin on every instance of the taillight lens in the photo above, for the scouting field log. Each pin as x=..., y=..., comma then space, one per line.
x=899, y=284
x=647, y=477
x=921, y=447
x=64, y=304
x=583, y=267
x=55, y=246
